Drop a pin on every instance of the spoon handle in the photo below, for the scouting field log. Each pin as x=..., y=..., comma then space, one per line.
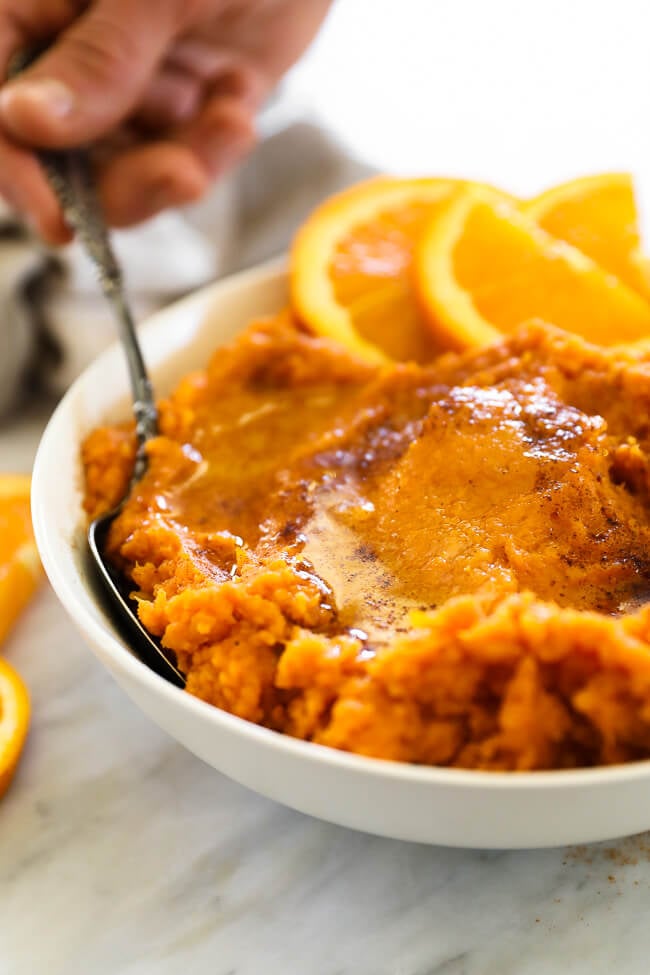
x=70, y=175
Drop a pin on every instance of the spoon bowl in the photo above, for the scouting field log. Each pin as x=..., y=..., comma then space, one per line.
x=115, y=587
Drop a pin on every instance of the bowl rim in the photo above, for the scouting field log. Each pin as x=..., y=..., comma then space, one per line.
x=136, y=670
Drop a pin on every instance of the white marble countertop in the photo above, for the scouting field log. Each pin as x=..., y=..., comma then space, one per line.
x=122, y=854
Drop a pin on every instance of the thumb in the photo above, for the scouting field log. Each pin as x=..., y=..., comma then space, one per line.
x=93, y=76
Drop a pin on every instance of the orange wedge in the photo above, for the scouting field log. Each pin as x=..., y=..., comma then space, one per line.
x=597, y=214
x=14, y=722
x=20, y=568
x=483, y=268
x=352, y=264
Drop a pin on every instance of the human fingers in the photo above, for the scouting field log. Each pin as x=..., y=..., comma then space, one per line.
x=142, y=180
x=93, y=75
x=24, y=188
x=220, y=134
x=22, y=182
x=171, y=99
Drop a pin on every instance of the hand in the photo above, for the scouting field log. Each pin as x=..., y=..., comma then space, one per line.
x=166, y=89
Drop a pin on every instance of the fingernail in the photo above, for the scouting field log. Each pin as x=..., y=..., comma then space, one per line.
x=46, y=95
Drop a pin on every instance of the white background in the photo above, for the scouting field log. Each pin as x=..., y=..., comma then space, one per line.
x=519, y=93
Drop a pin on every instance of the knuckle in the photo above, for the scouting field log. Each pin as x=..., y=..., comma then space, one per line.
x=106, y=50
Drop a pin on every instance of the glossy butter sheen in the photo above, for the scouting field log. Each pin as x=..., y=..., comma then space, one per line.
x=323, y=543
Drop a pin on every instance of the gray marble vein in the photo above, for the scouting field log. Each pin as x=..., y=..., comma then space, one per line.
x=122, y=854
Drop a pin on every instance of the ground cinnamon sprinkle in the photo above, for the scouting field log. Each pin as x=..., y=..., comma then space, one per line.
x=628, y=852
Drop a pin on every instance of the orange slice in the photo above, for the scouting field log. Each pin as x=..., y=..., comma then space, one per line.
x=14, y=722
x=597, y=214
x=483, y=268
x=20, y=568
x=352, y=266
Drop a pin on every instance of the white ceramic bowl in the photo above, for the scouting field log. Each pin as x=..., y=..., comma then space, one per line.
x=430, y=805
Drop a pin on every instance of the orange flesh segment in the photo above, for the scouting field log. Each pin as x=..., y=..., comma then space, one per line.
x=14, y=722
x=20, y=574
x=484, y=269
x=596, y=214
x=352, y=267
x=20, y=570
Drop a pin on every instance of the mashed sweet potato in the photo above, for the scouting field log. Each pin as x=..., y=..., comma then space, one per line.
x=441, y=564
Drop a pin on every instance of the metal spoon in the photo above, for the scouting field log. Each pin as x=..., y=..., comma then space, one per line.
x=71, y=177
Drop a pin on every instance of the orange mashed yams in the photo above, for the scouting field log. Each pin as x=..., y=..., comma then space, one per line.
x=444, y=564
